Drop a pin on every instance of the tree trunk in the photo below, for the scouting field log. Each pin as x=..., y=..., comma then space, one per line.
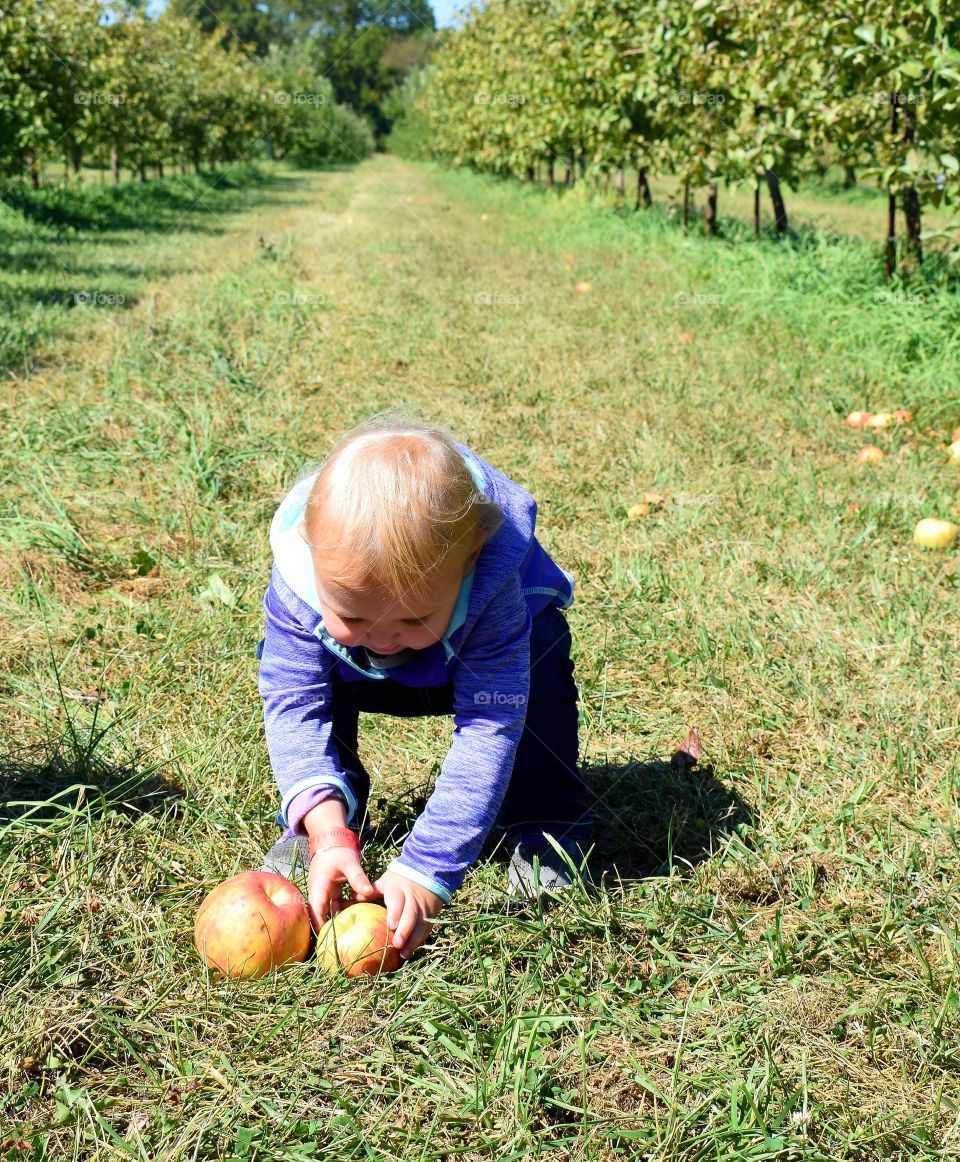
x=643, y=190
x=890, y=263
x=776, y=197
x=710, y=219
x=686, y=205
x=570, y=167
x=76, y=160
x=551, y=180
x=620, y=183
x=911, y=199
x=582, y=164
x=143, y=171
x=115, y=163
x=531, y=173
x=33, y=168
x=196, y=163
x=756, y=210
x=849, y=176
x=159, y=169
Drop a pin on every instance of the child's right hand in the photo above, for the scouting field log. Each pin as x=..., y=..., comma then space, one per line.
x=329, y=871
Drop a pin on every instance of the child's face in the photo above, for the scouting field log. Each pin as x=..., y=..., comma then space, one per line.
x=380, y=622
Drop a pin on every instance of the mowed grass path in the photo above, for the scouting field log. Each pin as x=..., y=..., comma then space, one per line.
x=769, y=970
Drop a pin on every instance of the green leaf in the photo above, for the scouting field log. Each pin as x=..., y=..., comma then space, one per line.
x=217, y=590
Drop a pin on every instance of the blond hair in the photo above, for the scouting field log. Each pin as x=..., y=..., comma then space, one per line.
x=394, y=507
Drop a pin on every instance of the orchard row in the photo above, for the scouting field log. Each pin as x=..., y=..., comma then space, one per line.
x=79, y=86
x=708, y=90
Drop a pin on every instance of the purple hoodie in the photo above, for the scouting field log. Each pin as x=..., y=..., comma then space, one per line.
x=485, y=652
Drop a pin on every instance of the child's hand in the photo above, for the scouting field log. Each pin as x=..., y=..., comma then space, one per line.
x=410, y=908
x=329, y=871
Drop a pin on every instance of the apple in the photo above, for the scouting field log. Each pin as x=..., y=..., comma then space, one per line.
x=357, y=940
x=582, y=286
x=251, y=923
x=956, y=435
x=902, y=416
x=859, y=419
x=880, y=420
x=636, y=510
x=954, y=452
x=871, y=454
x=935, y=534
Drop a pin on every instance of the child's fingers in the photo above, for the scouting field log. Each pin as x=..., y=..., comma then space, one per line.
x=362, y=888
x=406, y=922
x=417, y=937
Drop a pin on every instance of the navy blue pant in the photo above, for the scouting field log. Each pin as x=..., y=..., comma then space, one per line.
x=546, y=791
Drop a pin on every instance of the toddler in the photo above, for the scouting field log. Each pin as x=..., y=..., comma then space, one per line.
x=407, y=580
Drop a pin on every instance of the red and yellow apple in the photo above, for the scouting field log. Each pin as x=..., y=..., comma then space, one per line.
x=871, y=454
x=880, y=420
x=252, y=923
x=859, y=419
x=931, y=533
x=357, y=940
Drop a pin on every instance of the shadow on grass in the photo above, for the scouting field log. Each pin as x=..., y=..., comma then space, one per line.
x=653, y=816
x=150, y=206
x=54, y=780
x=649, y=817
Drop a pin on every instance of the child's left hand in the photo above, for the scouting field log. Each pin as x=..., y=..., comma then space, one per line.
x=410, y=908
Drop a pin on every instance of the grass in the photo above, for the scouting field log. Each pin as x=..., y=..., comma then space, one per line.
x=770, y=967
x=66, y=247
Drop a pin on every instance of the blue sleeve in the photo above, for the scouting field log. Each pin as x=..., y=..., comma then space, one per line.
x=295, y=685
x=491, y=683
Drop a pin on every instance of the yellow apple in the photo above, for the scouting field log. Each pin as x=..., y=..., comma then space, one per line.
x=357, y=940
x=954, y=452
x=935, y=534
x=859, y=419
x=880, y=420
x=251, y=923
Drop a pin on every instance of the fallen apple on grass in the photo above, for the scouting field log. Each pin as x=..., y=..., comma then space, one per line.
x=357, y=940
x=582, y=286
x=871, y=454
x=252, y=923
x=931, y=533
x=880, y=420
x=954, y=452
x=859, y=419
